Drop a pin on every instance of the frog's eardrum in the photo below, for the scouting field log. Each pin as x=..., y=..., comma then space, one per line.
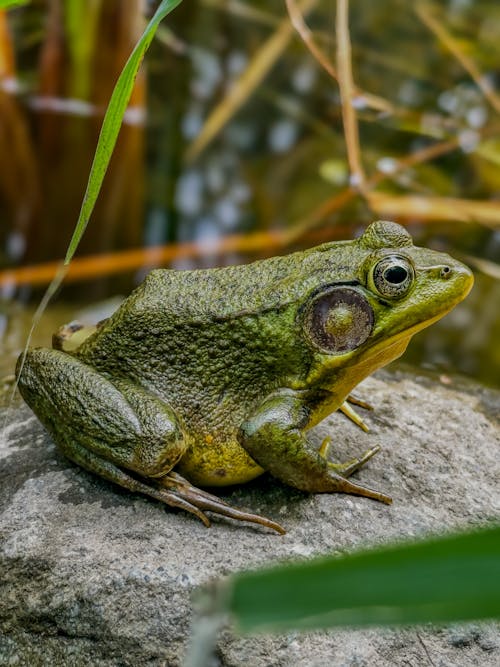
x=339, y=320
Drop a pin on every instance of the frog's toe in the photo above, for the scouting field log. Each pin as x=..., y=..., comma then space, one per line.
x=357, y=400
x=179, y=486
x=342, y=471
x=347, y=468
x=351, y=414
x=348, y=486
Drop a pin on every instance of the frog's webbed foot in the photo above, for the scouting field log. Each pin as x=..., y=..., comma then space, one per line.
x=351, y=413
x=202, y=500
x=172, y=489
x=348, y=468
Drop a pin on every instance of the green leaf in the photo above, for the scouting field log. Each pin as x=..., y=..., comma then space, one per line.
x=6, y=4
x=112, y=123
x=454, y=578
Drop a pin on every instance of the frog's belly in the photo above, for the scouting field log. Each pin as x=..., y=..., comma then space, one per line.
x=218, y=464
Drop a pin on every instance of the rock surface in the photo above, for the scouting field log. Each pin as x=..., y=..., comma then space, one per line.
x=93, y=575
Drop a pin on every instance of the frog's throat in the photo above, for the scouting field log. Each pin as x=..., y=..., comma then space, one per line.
x=356, y=370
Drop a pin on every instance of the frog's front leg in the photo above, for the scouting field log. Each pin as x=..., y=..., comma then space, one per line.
x=347, y=409
x=117, y=430
x=274, y=437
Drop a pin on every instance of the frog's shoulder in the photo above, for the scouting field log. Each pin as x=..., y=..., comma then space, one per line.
x=231, y=291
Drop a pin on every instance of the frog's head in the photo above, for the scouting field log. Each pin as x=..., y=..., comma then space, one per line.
x=356, y=326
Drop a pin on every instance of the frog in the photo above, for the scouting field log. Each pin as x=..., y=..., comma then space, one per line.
x=208, y=378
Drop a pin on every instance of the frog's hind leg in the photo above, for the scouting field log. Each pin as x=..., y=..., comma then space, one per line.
x=181, y=488
x=173, y=490
x=116, y=429
x=114, y=473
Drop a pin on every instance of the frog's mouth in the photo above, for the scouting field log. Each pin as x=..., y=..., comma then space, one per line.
x=355, y=366
x=395, y=343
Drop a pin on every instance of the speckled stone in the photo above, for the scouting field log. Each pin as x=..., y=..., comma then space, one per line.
x=93, y=575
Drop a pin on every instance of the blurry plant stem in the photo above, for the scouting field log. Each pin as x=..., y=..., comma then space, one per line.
x=347, y=94
x=435, y=208
x=244, y=10
x=244, y=86
x=7, y=62
x=340, y=199
x=307, y=37
x=297, y=19
x=81, y=20
x=55, y=284
x=450, y=43
x=487, y=267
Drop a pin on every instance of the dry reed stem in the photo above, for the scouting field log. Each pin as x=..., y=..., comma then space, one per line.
x=95, y=266
x=306, y=35
x=435, y=208
x=243, y=10
x=340, y=199
x=450, y=43
x=347, y=94
x=7, y=62
x=244, y=86
x=297, y=19
x=485, y=266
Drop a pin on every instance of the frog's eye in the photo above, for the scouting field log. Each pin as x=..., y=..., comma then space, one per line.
x=393, y=276
x=338, y=320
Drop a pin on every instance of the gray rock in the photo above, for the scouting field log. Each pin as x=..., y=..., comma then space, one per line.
x=93, y=575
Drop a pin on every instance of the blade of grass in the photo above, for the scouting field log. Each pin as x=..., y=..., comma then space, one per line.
x=105, y=145
x=5, y=4
x=448, y=579
x=112, y=123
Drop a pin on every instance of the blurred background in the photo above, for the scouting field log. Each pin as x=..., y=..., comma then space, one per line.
x=233, y=149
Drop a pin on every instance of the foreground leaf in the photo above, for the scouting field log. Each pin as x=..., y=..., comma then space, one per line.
x=455, y=578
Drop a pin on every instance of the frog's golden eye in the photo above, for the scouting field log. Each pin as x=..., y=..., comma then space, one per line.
x=393, y=276
x=338, y=320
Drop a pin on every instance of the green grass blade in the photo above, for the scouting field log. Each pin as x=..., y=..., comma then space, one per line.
x=5, y=4
x=455, y=578
x=112, y=123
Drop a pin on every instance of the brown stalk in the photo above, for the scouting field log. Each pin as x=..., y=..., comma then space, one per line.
x=243, y=10
x=244, y=86
x=347, y=94
x=297, y=19
x=7, y=64
x=306, y=35
x=95, y=266
x=450, y=43
x=340, y=199
x=435, y=208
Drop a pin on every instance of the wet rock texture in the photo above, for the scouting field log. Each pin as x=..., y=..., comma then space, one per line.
x=93, y=575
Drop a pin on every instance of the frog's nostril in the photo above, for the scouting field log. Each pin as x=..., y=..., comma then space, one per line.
x=445, y=272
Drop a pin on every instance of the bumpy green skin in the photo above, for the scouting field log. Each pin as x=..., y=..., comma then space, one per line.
x=218, y=372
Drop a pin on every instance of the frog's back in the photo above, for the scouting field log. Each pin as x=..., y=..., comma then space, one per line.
x=234, y=291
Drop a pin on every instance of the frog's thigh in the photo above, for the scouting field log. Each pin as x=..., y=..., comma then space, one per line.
x=119, y=421
x=274, y=437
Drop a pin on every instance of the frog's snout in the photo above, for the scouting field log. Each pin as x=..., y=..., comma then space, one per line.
x=459, y=275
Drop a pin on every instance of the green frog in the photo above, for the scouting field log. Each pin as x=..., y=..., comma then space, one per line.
x=208, y=378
